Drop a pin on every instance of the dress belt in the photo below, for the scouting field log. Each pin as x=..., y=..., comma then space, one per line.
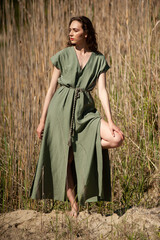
x=76, y=96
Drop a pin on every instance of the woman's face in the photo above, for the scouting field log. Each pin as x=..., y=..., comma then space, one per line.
x=76, y=33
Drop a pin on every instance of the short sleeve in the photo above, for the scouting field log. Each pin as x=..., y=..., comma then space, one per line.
x=56, y=60
x=103, y=66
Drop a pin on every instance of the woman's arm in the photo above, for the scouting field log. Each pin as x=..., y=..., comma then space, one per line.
x=49, y=95
x=104, y=98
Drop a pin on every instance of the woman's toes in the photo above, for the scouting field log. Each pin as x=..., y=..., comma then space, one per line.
x=72, y=213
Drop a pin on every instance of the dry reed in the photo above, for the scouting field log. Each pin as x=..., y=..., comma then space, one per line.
x=129, y=36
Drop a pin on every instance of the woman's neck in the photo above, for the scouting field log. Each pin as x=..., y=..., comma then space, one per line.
x=83, y=48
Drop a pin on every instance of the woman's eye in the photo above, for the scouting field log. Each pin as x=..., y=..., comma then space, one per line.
x=74, y=30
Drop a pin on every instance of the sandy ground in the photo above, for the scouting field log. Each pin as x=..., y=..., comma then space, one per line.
x=137, y=223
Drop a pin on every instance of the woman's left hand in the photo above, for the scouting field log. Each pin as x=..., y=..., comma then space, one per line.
x=113, y=128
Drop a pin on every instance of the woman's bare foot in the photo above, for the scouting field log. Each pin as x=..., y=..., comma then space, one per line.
x=70, y=187
x=74, y=211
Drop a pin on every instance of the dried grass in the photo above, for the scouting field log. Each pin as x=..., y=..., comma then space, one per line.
x=129, y=36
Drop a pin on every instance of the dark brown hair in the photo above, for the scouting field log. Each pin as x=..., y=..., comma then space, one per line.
x=91, y=34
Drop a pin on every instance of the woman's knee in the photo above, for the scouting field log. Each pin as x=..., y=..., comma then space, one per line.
x=117, y=140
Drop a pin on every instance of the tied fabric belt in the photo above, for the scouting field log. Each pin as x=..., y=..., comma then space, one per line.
x=76, y=96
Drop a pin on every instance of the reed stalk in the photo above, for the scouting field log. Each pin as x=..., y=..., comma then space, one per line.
x=129, y=36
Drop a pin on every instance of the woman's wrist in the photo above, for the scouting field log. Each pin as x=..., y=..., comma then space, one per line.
x=110, y=120
x=42, y=120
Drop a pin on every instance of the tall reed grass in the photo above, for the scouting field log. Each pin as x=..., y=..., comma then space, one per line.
x=129, y=36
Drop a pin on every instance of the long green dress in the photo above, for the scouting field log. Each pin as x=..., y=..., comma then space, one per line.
x=72, y=119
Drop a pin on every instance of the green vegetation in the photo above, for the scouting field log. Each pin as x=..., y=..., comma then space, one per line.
x=128, y=34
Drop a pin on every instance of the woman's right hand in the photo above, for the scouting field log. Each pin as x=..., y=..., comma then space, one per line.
x=40, y=130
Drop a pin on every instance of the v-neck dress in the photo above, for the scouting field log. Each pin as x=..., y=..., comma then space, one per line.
x=73, y=120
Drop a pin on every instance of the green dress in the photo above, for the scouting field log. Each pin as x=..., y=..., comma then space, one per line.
x=72, y=119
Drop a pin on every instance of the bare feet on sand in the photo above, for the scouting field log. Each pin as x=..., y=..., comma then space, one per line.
x=74, y=211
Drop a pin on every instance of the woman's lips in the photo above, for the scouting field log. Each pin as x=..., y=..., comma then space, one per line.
x=71, y=39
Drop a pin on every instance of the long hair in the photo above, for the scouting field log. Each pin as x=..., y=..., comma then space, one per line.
x=91, y=34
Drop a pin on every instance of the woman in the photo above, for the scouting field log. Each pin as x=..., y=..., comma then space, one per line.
x=74, y=159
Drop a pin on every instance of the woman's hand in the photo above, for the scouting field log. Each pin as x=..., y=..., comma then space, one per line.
x=113, y=128
x=40, y=130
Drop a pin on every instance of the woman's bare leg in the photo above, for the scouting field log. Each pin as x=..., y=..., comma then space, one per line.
x=70, y=186
x=107, y=140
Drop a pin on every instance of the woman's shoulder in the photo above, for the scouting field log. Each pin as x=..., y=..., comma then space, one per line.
x=61, y=54
x=60, y=57
x=99, y=55
x=101, y=62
